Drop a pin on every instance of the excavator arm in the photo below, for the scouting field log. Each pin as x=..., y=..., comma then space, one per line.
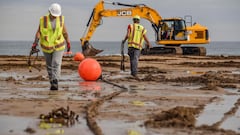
x=99, y=12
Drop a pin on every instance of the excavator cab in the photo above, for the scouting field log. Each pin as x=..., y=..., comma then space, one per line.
x=172, y=29
x=174, y=32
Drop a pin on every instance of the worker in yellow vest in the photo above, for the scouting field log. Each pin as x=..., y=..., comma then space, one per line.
x=136, y=35
x=52, y=34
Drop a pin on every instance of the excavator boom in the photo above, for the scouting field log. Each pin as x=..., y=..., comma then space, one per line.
x=177, y=33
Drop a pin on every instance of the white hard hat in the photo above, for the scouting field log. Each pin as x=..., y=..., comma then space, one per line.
x=55, y=9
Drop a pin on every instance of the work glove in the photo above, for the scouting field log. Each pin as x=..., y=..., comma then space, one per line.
x=34, y=46
x=68, y=47
x=123, y=41
x=147, y=48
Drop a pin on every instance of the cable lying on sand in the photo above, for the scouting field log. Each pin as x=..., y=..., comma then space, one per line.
x=32, y=58
x=92, y=108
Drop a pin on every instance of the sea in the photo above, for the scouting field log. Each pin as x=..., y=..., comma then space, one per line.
x=214, y=48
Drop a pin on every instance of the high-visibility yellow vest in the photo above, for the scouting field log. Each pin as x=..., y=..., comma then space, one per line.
x=51, y=40
x=135, y=38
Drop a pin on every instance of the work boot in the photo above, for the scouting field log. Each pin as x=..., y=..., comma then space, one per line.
x=54, y=85
x=135, y=76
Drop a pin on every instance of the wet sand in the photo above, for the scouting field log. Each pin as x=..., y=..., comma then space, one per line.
x=185, y=95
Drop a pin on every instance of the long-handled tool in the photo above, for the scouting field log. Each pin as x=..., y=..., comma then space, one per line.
x=33, y=56
x=122, y=66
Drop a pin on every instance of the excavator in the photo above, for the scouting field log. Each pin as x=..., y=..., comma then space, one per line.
x=170, y=33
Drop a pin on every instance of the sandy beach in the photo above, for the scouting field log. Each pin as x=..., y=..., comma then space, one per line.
x=175, y=95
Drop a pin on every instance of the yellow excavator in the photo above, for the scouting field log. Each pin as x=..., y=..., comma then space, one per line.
x=171, y=33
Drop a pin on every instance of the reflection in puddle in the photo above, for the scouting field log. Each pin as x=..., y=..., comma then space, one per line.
x=90, y=85
x=82, y=91
x=22, y=95
x=123, y=74
x=69, y=77
x=12, y=125
x=35, y=89
x=236, y=72
x=214, y=112
x=119, y=127
x=6, y=75
x=232, y=123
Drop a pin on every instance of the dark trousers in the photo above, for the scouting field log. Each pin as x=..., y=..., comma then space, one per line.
x=134, y=55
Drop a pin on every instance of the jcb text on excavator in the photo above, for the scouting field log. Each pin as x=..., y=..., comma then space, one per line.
x=170, y=32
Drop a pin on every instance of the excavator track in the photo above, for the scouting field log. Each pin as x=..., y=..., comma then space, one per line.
x=175, y=50
x=163, y=50
x=197, y=51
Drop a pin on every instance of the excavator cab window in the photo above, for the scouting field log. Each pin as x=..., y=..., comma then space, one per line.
x=173, y=29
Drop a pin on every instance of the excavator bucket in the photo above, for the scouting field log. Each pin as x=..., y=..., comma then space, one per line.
x=89, y=50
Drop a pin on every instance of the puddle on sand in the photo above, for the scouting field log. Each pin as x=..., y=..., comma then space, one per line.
x=214, y=112
x=122, y=74
x=82, y=91
x=35, y=89
x=13, y=125
x=72, y=77
x=21, y=96
x=236, y=72
x=118, y=127
x=232, y=123
x=90, y=86
x=5, y=75
x=10, y=125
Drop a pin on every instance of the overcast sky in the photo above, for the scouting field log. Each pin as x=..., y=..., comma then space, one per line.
x=20, y=18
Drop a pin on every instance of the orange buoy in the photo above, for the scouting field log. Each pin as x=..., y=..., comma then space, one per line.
x=89, y=69
x=78, y=57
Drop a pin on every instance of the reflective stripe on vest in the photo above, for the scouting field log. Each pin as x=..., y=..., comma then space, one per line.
x=135, y=39
x=45, y=21
x=61, y=23
x=53, y=47
x=51, y=40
